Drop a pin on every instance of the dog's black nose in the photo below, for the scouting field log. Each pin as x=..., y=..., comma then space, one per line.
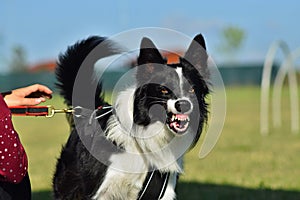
x=183, y=106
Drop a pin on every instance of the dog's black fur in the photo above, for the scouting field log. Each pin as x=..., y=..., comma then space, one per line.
x=79, y=175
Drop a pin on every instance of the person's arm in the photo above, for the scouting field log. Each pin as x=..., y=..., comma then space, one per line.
x=23, y=96
x=13, y=159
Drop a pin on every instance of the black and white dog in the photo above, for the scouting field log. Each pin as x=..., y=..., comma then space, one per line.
x=133, y=149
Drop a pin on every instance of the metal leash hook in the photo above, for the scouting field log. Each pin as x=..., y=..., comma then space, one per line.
x=52, y=111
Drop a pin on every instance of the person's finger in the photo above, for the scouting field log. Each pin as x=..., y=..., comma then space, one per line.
x=39, y=94
x=33, y=91
x=31, y=101
x=38, y=87
x=43, y=88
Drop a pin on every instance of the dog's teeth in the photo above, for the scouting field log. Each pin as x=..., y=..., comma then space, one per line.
x=173, y=118
x=179, y=118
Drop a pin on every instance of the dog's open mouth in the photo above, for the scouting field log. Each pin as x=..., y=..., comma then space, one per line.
x=178, y=123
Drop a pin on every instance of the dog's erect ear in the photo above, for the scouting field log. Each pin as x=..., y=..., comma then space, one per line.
x=197, y=56
x=148, y=60
x=149, y=53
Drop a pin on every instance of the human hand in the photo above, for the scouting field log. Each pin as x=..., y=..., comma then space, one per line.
x=26, y=96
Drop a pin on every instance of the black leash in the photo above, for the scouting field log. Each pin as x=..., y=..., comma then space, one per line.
x=47, y=111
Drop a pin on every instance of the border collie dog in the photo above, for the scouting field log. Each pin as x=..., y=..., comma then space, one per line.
x=134, y=148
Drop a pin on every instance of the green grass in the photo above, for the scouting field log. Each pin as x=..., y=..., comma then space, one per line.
x=42, y=138
x=243, y=165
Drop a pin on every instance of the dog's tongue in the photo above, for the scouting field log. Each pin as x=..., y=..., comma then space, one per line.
x=179, y=126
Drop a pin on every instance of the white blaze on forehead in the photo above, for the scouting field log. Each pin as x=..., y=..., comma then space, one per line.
x=180, y=75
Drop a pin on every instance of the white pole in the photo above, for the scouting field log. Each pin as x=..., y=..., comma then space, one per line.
x=278, y=83
x=294, y=91
x=265, y=84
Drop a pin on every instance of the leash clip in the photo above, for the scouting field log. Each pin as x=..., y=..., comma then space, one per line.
x=52, y=111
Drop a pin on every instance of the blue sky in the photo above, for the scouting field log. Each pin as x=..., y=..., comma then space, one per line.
x=46, y=28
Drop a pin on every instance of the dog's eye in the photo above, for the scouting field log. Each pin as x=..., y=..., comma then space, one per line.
x=164, y=91
x=192, y=90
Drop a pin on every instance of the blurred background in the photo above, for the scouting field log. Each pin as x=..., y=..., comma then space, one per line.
x=237, y=34
x=244, y=163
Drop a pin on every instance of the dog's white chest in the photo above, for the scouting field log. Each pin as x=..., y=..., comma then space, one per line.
x=118, y=185
x=127, y=186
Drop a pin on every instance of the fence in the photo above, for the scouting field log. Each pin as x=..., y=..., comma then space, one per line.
x=247, y=74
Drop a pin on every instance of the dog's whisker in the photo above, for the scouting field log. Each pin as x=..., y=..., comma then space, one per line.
x=159, y=98
x=156, y=102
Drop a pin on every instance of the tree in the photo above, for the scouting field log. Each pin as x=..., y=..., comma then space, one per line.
x=232, y=38
x=18, y=60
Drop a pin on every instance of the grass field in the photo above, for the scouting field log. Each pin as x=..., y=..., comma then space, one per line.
x=243, y=165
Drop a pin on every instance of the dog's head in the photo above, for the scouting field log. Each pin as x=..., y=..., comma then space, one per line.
x=173, y=94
